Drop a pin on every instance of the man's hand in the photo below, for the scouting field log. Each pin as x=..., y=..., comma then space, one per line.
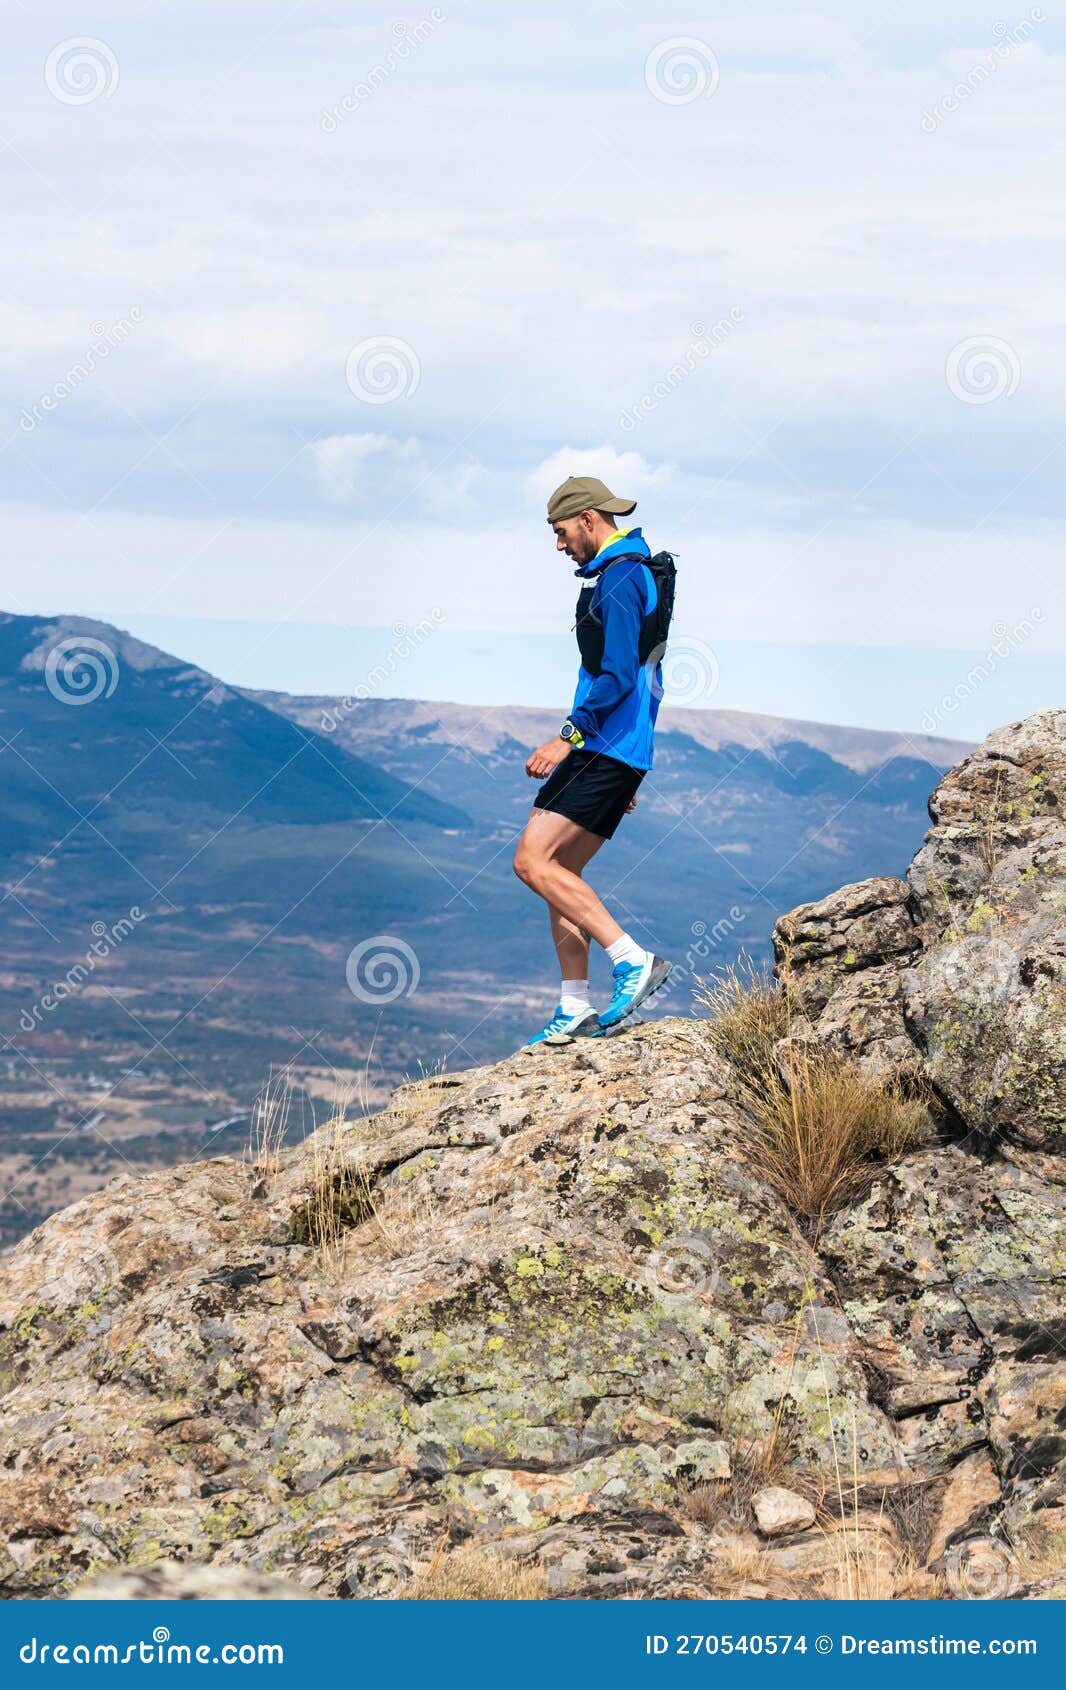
x=631, y=806
x=547, y=757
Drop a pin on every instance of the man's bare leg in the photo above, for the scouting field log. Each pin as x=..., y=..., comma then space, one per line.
x=571, y=943
x=548, y=842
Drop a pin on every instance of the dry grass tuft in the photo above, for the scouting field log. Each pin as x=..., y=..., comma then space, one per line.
x=270, y=1125
x=822, y=1123
x=470, y=1574
x=821, y=1135
x=749, y=1016
x=340, y=1197
x=725, y=1505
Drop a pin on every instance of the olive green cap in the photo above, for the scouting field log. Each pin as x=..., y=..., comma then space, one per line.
x=585, y=493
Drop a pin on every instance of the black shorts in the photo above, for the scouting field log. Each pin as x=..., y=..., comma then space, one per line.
x=590, y=789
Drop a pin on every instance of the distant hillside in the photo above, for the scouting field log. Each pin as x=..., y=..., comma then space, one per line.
x=87, y=707
x=375, y=722
x=262, y=840
x=773, y=792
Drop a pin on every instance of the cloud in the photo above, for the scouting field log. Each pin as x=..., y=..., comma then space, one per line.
x=546, y=258
x=392, y=477
x=349, y=464
x=625, y=473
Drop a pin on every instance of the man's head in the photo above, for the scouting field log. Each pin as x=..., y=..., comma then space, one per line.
x=583, y=513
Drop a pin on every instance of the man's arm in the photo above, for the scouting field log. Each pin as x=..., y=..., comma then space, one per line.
x=622, y=607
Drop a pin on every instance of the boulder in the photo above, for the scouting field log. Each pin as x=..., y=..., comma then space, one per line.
x=958, y=972
x=779, y=1512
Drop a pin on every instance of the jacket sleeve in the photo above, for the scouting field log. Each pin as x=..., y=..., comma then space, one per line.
x=622, y=608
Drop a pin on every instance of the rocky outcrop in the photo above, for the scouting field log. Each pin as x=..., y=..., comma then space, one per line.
x=553, y=1308
x=959, y=971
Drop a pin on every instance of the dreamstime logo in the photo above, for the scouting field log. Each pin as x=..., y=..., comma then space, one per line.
x=375, y=1571
x=1008, y=37
x=105, y=940
x=160, y=1650
x=689, y=671
x=981, y=369
x=1006, y=641
x=80, y=669
x=701, y=347
x=680, y=70
x=103, y=343
x=982, y=1569
x=685, y=1265
x=381, y=969
x=406, y=642
x=382, y=369
x=980, y=970
x=81, y=70
x=90, y=1272
x=705, y=941
x=405, y=39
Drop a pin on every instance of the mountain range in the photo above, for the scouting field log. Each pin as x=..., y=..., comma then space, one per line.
x=204, y=887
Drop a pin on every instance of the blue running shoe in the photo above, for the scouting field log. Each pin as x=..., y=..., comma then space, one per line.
x=634, y=983
x=562, y=1028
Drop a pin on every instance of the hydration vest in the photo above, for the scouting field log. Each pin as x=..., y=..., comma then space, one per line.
x=656, y=625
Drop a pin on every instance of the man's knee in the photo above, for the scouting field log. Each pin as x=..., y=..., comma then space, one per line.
x=528, y=865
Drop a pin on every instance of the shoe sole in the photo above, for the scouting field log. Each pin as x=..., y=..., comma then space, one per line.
x=582, y=1030
x=660, y=969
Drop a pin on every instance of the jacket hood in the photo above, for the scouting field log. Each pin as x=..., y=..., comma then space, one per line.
x=624, y=546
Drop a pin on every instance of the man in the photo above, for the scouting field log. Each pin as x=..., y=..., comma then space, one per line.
x=596, y=762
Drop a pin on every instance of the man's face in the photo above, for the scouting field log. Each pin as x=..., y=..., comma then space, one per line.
x=574, y=537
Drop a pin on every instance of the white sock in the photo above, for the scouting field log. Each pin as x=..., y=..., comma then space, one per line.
x=575, y=997
x=626, y=949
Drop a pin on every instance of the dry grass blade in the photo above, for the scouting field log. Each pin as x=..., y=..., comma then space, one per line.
x=469, y=1574
x=270, y=1124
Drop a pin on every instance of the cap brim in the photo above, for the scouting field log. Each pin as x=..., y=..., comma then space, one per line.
x=574, y=507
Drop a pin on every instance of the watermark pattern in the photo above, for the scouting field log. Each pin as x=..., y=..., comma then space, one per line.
x=81, y=70
x=685, y=1265
x=685, y=670
x=103, y=343
x=79, y=669
x=981, y=970
x=705, y=941
x=982, y=1569
x=79, y=1273
x=381, y=969
x=374, y=1570
x=680, y=70
x=1006, y=641
x=407, y=38
x=383, y=368
x=704, y=342
x=406, y=642
x=981, y=369
x=105, y=940
x=1008, y=38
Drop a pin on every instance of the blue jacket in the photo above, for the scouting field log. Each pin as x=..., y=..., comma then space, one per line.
x=615, y=710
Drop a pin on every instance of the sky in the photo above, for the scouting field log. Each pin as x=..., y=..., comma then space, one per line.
x=306, y=307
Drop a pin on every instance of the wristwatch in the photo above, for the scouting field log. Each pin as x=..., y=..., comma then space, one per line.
x=571, y=734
